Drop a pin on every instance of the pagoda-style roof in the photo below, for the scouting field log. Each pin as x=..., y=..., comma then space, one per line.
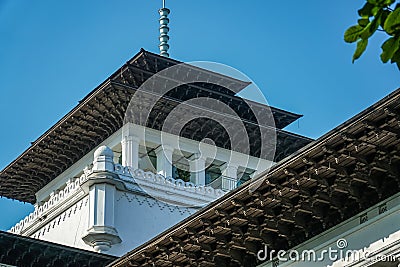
x=102, y=112
x=23, y=251
x=346, y=171
x=224, y=88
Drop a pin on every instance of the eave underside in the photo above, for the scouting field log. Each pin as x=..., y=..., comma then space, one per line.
x=348, y=170
x=24, y=251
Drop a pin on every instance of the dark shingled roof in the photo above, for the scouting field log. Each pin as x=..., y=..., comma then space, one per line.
x=102, y=112
x=343, y=173
x=23, y=251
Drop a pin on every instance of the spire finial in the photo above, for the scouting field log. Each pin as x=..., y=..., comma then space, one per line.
x=164, y=29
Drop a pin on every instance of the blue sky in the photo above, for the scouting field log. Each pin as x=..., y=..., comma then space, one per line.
x=52, y=53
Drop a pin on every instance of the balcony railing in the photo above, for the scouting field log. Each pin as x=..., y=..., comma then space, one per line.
x=224, y=183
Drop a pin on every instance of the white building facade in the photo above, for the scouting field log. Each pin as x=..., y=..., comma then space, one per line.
x=101, y=205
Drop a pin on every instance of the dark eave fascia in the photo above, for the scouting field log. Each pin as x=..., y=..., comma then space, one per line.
x=56, y=246
x=297, y=136
x=274, y=169
x=283, y=112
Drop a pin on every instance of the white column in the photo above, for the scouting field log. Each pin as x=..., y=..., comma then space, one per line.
x=229, y=173
x=101, y=233
x=101, y=205
x=130, y=151
x=164, y=160
x=197, y=170
x=229, y=170
x=117, y=155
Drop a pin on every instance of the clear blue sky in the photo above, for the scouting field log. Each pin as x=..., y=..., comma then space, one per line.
x=52, y=53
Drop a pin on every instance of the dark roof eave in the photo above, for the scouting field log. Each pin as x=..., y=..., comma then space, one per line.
x=62, y=248
x=82, y=103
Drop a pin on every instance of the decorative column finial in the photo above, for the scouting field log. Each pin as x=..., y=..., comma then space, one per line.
x=103, y=159
x=164, y=29
x=101, y=187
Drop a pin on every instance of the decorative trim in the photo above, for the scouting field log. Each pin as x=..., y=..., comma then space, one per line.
x=56, y=199
x=151, y=202
x=101, y=238
x=382, y=208
x=363, y=218
x=170, y=182
x=61, y=218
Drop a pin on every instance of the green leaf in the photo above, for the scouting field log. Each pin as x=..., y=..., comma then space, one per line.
x=371, y=27
x=385, y=14
x=396, y=57
x=392, y=23
x=361, y=46
x=363, y=22
x=381, y=3
x=352, y=34
x=389, y=47
x=367, y=10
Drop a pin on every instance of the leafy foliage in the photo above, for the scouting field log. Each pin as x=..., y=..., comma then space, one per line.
x=377, y=15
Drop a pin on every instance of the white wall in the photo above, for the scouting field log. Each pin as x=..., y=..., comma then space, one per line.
x=68, y=227
x=138, y=219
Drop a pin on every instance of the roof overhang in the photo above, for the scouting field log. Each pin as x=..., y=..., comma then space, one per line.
x=18, y=250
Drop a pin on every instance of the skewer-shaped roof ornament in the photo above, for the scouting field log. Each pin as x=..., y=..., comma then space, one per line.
x=164, y=29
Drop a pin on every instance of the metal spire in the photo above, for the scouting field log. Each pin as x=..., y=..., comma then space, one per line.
x=164, y=29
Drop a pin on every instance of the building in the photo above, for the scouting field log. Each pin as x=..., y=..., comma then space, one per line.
x=342, y=187
x=118, y=181
x=103, y=170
